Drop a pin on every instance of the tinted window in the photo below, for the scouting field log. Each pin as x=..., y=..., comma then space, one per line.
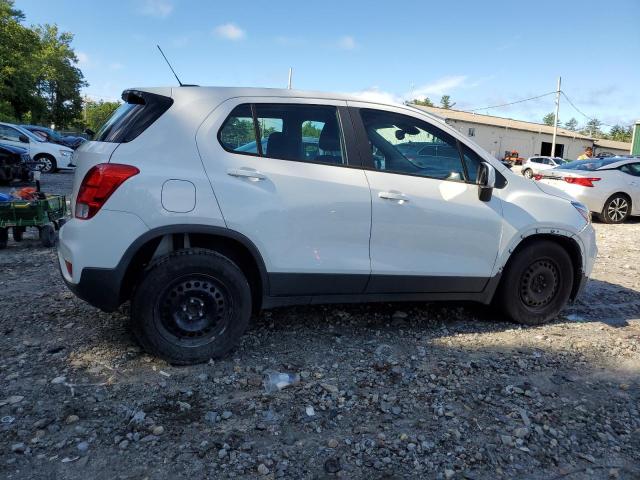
x=472, y=162
x=308, y=133
x=402, y=144
x=631, y=169
x=133, y=117
x=591, y=164
x=9, y=134
x=237, y=133
x=536, y=160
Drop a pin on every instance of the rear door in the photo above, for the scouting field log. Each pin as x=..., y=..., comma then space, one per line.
x=297, y=191
x=430, y=232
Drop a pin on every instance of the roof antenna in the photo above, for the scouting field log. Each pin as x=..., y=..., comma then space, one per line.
x=290, y=75
x=174, y=72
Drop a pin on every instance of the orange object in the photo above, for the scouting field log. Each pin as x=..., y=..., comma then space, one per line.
x=27, y=193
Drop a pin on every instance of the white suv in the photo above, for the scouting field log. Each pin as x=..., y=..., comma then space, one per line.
x=51, y=157
x=535, y=165
x=203, y=205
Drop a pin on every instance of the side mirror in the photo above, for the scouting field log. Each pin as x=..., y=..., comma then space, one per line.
x=23, y=138
x=89, y=132
x=486, y=181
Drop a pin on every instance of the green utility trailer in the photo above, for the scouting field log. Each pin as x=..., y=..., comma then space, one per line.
x=47, y=214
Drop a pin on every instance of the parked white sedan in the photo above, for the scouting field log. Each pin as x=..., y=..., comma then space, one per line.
x=535, y=165
x=610, y=187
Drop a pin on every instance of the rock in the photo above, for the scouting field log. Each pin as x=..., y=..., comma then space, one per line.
x=59, y=380
x=72, y=419
x=332, y=465
x=332, y=443
x=123, y=444
x=263, y=469
x=522, y=432
x=83, y=447
x=448, y=473
x=223, y=453
x=507, y=440
x=13, y=399
x=211, y=417
x=400, y=315
x=226, y=415
x=158, y=430
x=18, y=448
x=310, y=411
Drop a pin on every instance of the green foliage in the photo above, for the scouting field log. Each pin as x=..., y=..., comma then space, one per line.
x=445, y=102
x=572, y=124
x=548, y=119
x=423, y=103
x=621, y=133
x=97, y=113
x=38, y=73
x=309, y=129
x=238, y=132
x=592, y=129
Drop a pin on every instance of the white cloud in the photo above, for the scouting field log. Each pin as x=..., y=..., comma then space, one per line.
x=83, y=59
x=116, y=66
x=374, y=94
x=229, y=31
x=347, y=43
x=442, y=86
x=156, y=8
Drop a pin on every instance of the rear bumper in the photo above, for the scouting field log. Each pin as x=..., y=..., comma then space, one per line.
x=99, y=287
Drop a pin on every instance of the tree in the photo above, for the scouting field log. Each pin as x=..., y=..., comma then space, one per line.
x=571, y=124
x=621, y=133
x=96, y=113
x=426, y=102
x=548, y=119
x=445, y=102
x=39, y=79
x=592, y=128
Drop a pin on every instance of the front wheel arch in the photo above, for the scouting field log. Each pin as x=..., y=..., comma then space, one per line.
x=569, y=244
x=51, y=158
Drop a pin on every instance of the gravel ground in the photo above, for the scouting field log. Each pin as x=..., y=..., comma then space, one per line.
x=385, y=391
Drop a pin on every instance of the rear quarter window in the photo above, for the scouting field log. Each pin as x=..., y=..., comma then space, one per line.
x=134, y=116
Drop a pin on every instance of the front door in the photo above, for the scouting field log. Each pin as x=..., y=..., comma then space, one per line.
x=282, y=175
x=11, y=136
x=430, y=232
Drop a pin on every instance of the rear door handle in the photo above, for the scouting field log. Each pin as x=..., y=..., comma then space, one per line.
x=397, y=196
x=251, y=174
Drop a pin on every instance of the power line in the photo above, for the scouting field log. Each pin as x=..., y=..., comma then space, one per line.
x=513, y=103
x=580, y=111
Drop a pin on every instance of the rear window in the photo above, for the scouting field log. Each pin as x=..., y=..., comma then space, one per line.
x=134, y=116
x=589, y=165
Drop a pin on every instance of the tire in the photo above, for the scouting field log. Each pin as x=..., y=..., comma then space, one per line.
x=46, y=163
x=616, y=209
x=4, y=237
x=536, y=284
x=18, y=232
x=185, y=284
x=48, y=236
x=528, y=173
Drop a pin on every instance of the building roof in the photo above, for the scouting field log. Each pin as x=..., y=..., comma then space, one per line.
x=449, y=114
x=601, y=142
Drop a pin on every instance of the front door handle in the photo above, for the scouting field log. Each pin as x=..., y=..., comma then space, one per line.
x=396, y=196
x=251, y=174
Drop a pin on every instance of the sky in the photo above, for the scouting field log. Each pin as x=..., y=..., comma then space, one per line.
x=481, y=53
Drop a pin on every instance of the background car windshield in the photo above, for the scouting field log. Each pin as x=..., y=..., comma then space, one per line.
x=589, y=165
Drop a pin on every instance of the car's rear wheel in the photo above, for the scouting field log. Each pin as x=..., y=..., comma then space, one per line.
x=536, y=283
x=46, y=163
x=528, y=173
x=191, y=306
x=616, y=209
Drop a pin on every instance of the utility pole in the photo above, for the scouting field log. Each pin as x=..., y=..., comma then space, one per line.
x=555, y=119
x=290, y=74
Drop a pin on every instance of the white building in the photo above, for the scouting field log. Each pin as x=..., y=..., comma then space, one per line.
x=499, y=135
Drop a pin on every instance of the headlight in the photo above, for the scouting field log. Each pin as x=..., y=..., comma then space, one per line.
x=583, y=210
x=65, y=153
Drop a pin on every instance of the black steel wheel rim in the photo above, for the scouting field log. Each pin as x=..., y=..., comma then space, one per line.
x=539, y=283
x=193, y=310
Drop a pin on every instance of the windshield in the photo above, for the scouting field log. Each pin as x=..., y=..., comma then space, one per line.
x=589, y=165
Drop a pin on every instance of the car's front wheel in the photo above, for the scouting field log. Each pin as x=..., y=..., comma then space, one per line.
x=46, y=164
x=528, y=173
x=191, y=305
x=616, y=209
x=536, y=283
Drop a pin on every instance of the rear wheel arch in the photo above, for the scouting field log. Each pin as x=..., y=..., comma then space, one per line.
x=567, y=243
x=233, y=245
x=601, y=214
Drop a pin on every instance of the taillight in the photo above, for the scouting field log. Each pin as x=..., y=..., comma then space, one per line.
x=69, y=266
x=582, y=181
x=537, y=176
x=98, y=185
